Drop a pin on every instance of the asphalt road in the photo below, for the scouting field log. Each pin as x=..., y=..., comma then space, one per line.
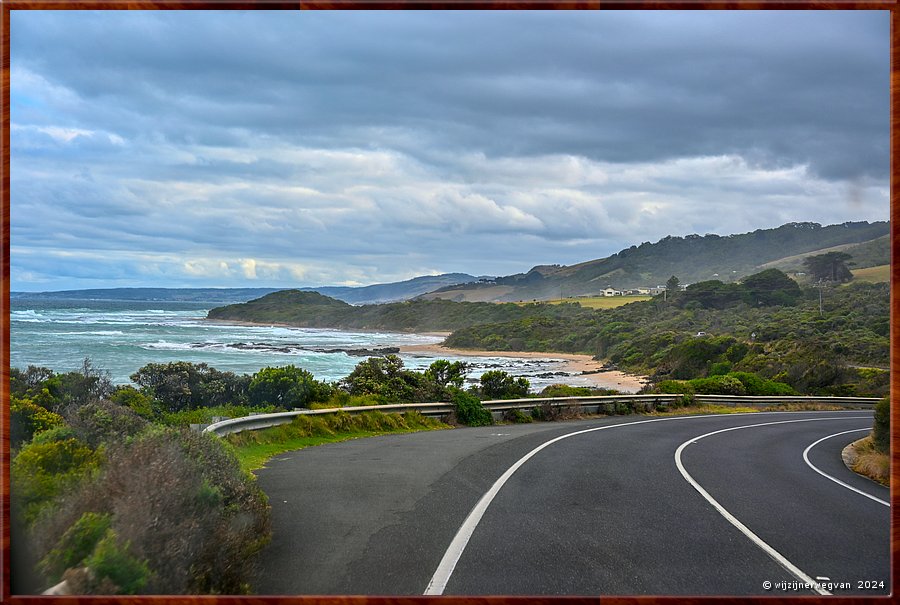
x=607, y=511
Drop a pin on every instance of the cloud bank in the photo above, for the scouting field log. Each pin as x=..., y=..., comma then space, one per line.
x=311, y=148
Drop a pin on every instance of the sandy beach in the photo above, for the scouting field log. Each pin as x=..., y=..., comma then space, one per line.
x=575, y=363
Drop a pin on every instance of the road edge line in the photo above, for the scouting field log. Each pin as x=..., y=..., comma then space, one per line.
x=763, y=545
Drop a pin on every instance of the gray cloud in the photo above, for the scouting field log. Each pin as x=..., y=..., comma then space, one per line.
x=345, y=146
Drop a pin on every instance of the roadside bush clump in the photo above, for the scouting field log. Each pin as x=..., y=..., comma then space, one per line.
x=881, y=431
x=547, y=412
x=470, y=411
x=75, y=545
x=186, y=418
x=104, y=421
x=564, y=390
x=516, y=416
x=42, y=471
x=718, y=385
x=174, y=513
x=110, y=569
x=497, y=384
x=755, y=385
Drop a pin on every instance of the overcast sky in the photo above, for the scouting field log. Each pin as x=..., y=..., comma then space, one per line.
x=321, y=148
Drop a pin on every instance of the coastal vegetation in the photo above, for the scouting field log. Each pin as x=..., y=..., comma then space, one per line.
x=312, y=310
x=871, y=456
x=817, y=340
x=189, y=522
x=192, y=519
x=777, y=332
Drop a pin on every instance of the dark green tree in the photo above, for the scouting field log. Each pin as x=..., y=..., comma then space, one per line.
x=384, y=376
x=770, y=287
x=445, y=373
x=672, y=285
x=497, y=384
x=181, y=385
x=829, y=267
x=287, y=387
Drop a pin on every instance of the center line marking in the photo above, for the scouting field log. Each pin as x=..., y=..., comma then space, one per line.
x=777, y=556
x=451, y=557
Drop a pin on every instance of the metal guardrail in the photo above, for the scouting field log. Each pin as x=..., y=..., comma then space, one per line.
x=767, y=400
x=596, y=404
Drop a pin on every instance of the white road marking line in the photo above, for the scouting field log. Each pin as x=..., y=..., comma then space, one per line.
x=777, y=556
x=451, y=557
x=836, y=480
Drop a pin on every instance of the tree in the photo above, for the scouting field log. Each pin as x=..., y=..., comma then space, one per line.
x=672, y=284
x=181, y=385
x=497, y=384
x=287, y=387
x=444, y=373
x=829, y=267
x=770, y=287
x=383, y=376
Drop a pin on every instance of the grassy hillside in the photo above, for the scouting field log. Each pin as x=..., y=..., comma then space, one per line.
x=600, y=302
x=879, y=274
x=312, y=310
x=866, y=254
x=692, y=258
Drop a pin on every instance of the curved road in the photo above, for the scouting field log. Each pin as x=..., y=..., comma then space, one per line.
x=607, y=508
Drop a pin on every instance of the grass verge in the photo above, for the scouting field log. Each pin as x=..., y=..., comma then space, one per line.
x=702, y=409
x=869, y=462
x=255, y=448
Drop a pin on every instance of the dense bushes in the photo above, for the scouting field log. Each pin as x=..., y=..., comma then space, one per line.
x=734, y=383
x=287, y=387
x=881, y=431
x=470, y=411
x=834, y=352
x=497, y=384
x=28, y=419
x=170, y=512
x=112, y=503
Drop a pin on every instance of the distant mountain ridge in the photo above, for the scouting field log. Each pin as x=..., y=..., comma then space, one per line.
x=376, y=293
x=691, y=258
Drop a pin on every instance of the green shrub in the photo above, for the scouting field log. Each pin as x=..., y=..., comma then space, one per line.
x=287, y=387
x=75, y=545
x=113, y=562
x=470, y=411
x=718, y=385
x=133, y=399
x=105, y=421
x=185, y=418
x=42, y=471
x=564, y=390
x=497, y=384
x=881, y=431
x=675, y=387
x=184, y=519
x=755, y=385
x=28, y=419
x=517, y=416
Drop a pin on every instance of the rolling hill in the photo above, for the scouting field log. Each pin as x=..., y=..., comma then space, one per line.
x=691, y=258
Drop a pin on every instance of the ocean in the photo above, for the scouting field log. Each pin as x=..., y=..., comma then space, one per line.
x=122, y=336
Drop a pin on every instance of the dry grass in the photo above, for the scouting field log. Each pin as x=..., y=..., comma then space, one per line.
x=703, y=409
x=600, y=302
x=802, y=407
x=871, y=463
x=879, y=274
